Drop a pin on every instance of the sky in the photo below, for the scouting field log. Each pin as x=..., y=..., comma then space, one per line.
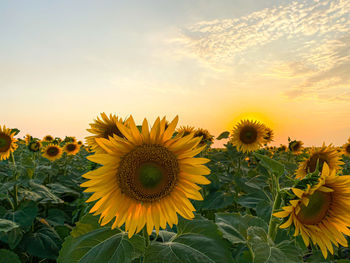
x=284, y=63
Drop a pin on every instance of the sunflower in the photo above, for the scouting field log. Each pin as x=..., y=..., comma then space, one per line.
x=103, y=128
x=7, y=143
x=80, y=143
x=346, y=149
x=185, y=130
x=207, y=138
x=325, y=154
x=296, y=147
x=269, y=135
x=52, y=152
x=248, y=135
x=48, y=138
x=71, y=148
x=282, y=148
x=147, y=177
x=321, y=212
x=28, y=138
x=34, y=146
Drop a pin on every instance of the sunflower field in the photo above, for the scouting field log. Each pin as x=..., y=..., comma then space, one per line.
x=161, y=193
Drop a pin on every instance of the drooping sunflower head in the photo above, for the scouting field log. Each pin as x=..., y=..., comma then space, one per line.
x=48, y=138
x=248, y=135
x=52, y=152
x=71, y=148
x=185, y=130
x=346, y=149
x=147, y=177
x=28, y=138
x=269, y=135
x=295, y=146
x=207, y=138
x=324, y=154
x=7, y=143
x=34, y=146
x=321, y=212
x=105, y=127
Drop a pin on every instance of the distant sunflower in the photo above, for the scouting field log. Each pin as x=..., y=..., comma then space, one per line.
x=48, y=138
x=346, y=149
x=52, y=152
x=147, y=177
x=34, y=146
x=185, y=130
x=321, y=212
x=71, y=148
x=248, y=136
x=207, y=138
x=80, y=143
x=282, y=148
x=296, y=147
x=324, y=154
x=28, y=138
x=269, y=135
x=7, y=143
x=103, y=128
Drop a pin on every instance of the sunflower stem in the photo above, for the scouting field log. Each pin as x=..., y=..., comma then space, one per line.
x=273, y=221
x=15, y=186
x=146, y=236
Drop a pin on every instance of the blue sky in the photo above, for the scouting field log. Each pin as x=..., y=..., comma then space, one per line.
x=286, y=63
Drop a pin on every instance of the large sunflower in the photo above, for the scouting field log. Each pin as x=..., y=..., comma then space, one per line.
x=103, y=128
x=321, y=155
x=248, y=136
x=346, y=149
x=7, y=143
x=296, y=147
x=52, y=152
x=321, y=212
x=147, y=177
x=71, y=148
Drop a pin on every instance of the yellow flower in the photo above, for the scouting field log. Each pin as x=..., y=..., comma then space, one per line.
x=71, y=148
x=34, y=146
x=207, y=138
x=7, y=143
x=52, y=152
x=248, y=136
x=103, y=128
x=269, y=135
x=147, y=177
x=321, y=213
x=324, y=154
x=346, y=149
x=28, y=138
x=296, y=147
x=185, y=130
x=48, y=138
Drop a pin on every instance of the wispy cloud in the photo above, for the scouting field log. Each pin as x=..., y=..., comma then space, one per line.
x=304, y=40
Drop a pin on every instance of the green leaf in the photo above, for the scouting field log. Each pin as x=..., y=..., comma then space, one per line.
x=45, y=243
x=85, y=225
x=7, y=225
x=234, y=226
x=25, y=214
x=46, y=195
x=274, y=166
x=216, y=200
x=7, y=256
x=265, y=251
x=101, y=245
x=198, y=240
x=56, y=216
x=223, y=135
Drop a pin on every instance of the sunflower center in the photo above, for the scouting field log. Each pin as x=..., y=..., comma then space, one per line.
x=110, y=130
x=317, y=208
x=71, y=147
x=312, y=163
x=248, y=135
x=148, y=173
x=5, y=142
x=347, y=149
x=52, y=151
